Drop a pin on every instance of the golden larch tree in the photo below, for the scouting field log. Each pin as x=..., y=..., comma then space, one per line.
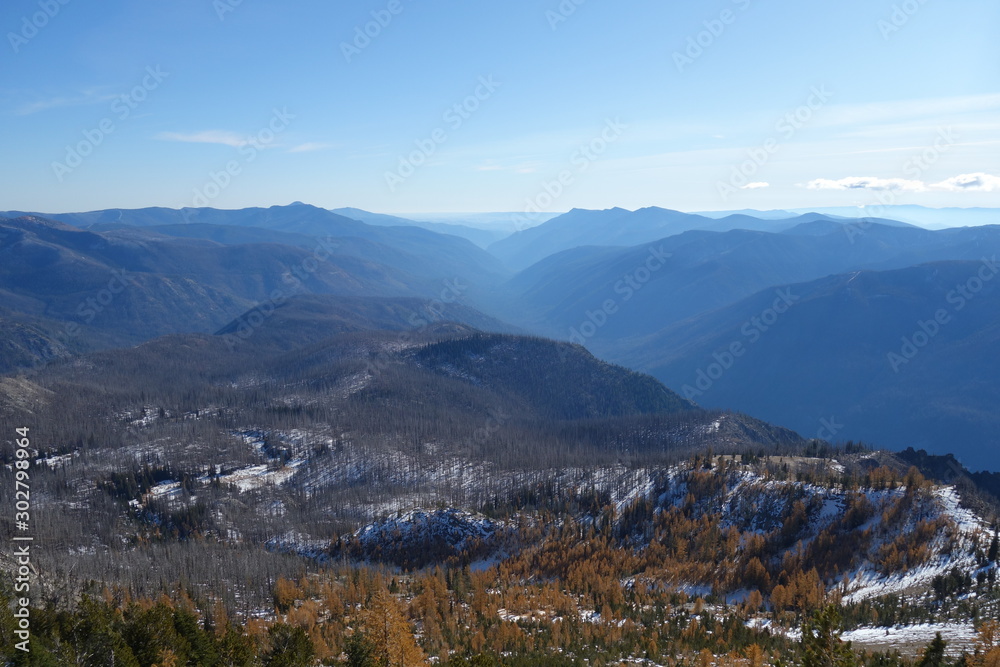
x=384, y=625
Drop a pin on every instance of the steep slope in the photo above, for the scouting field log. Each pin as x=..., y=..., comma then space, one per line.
x=873, y=540
x=655, y=285
x=898, y=358
x=531, y=368
x=27, y=341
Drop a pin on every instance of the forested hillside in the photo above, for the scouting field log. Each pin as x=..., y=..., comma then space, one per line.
x=367, y=470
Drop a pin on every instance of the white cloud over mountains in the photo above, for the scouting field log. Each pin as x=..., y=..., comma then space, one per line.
x=975, y=182
x=866, y=183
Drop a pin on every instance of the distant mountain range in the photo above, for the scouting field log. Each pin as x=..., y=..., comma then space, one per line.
x=665, y=281
x=444, y=255
x=139, y=276
x=482, y=230
x=923, y=216
x=620, y=227
x=657, y=290
x=482, y=237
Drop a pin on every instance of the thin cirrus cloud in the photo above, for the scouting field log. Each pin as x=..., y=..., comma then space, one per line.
x=756, y=186
x=222, y=137
x=93, y=96
x=234, y=140
x=311, y=146
x=975, y=182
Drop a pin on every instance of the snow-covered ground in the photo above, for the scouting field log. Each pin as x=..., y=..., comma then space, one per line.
x=56, y=461
x=948, y=553
x=255, y=477
x=868, y=583
x=455, y=527
x=912, y=639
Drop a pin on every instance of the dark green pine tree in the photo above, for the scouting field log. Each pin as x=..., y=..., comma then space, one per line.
x=201, y=649
x=994, y=547
x=821, y=644
x=934, y=653
x=290, y=647
x=236, y=650
x=98, y=638
x=360, y=651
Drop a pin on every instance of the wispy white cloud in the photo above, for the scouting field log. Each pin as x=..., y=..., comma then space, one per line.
x=898, y=111
x=91, y=96
x=223, y=137
x=311, y=146
x=866, y=183
x=755, y=186
x=976, y=182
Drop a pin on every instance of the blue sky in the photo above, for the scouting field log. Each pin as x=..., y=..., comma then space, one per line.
x=724, y=104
